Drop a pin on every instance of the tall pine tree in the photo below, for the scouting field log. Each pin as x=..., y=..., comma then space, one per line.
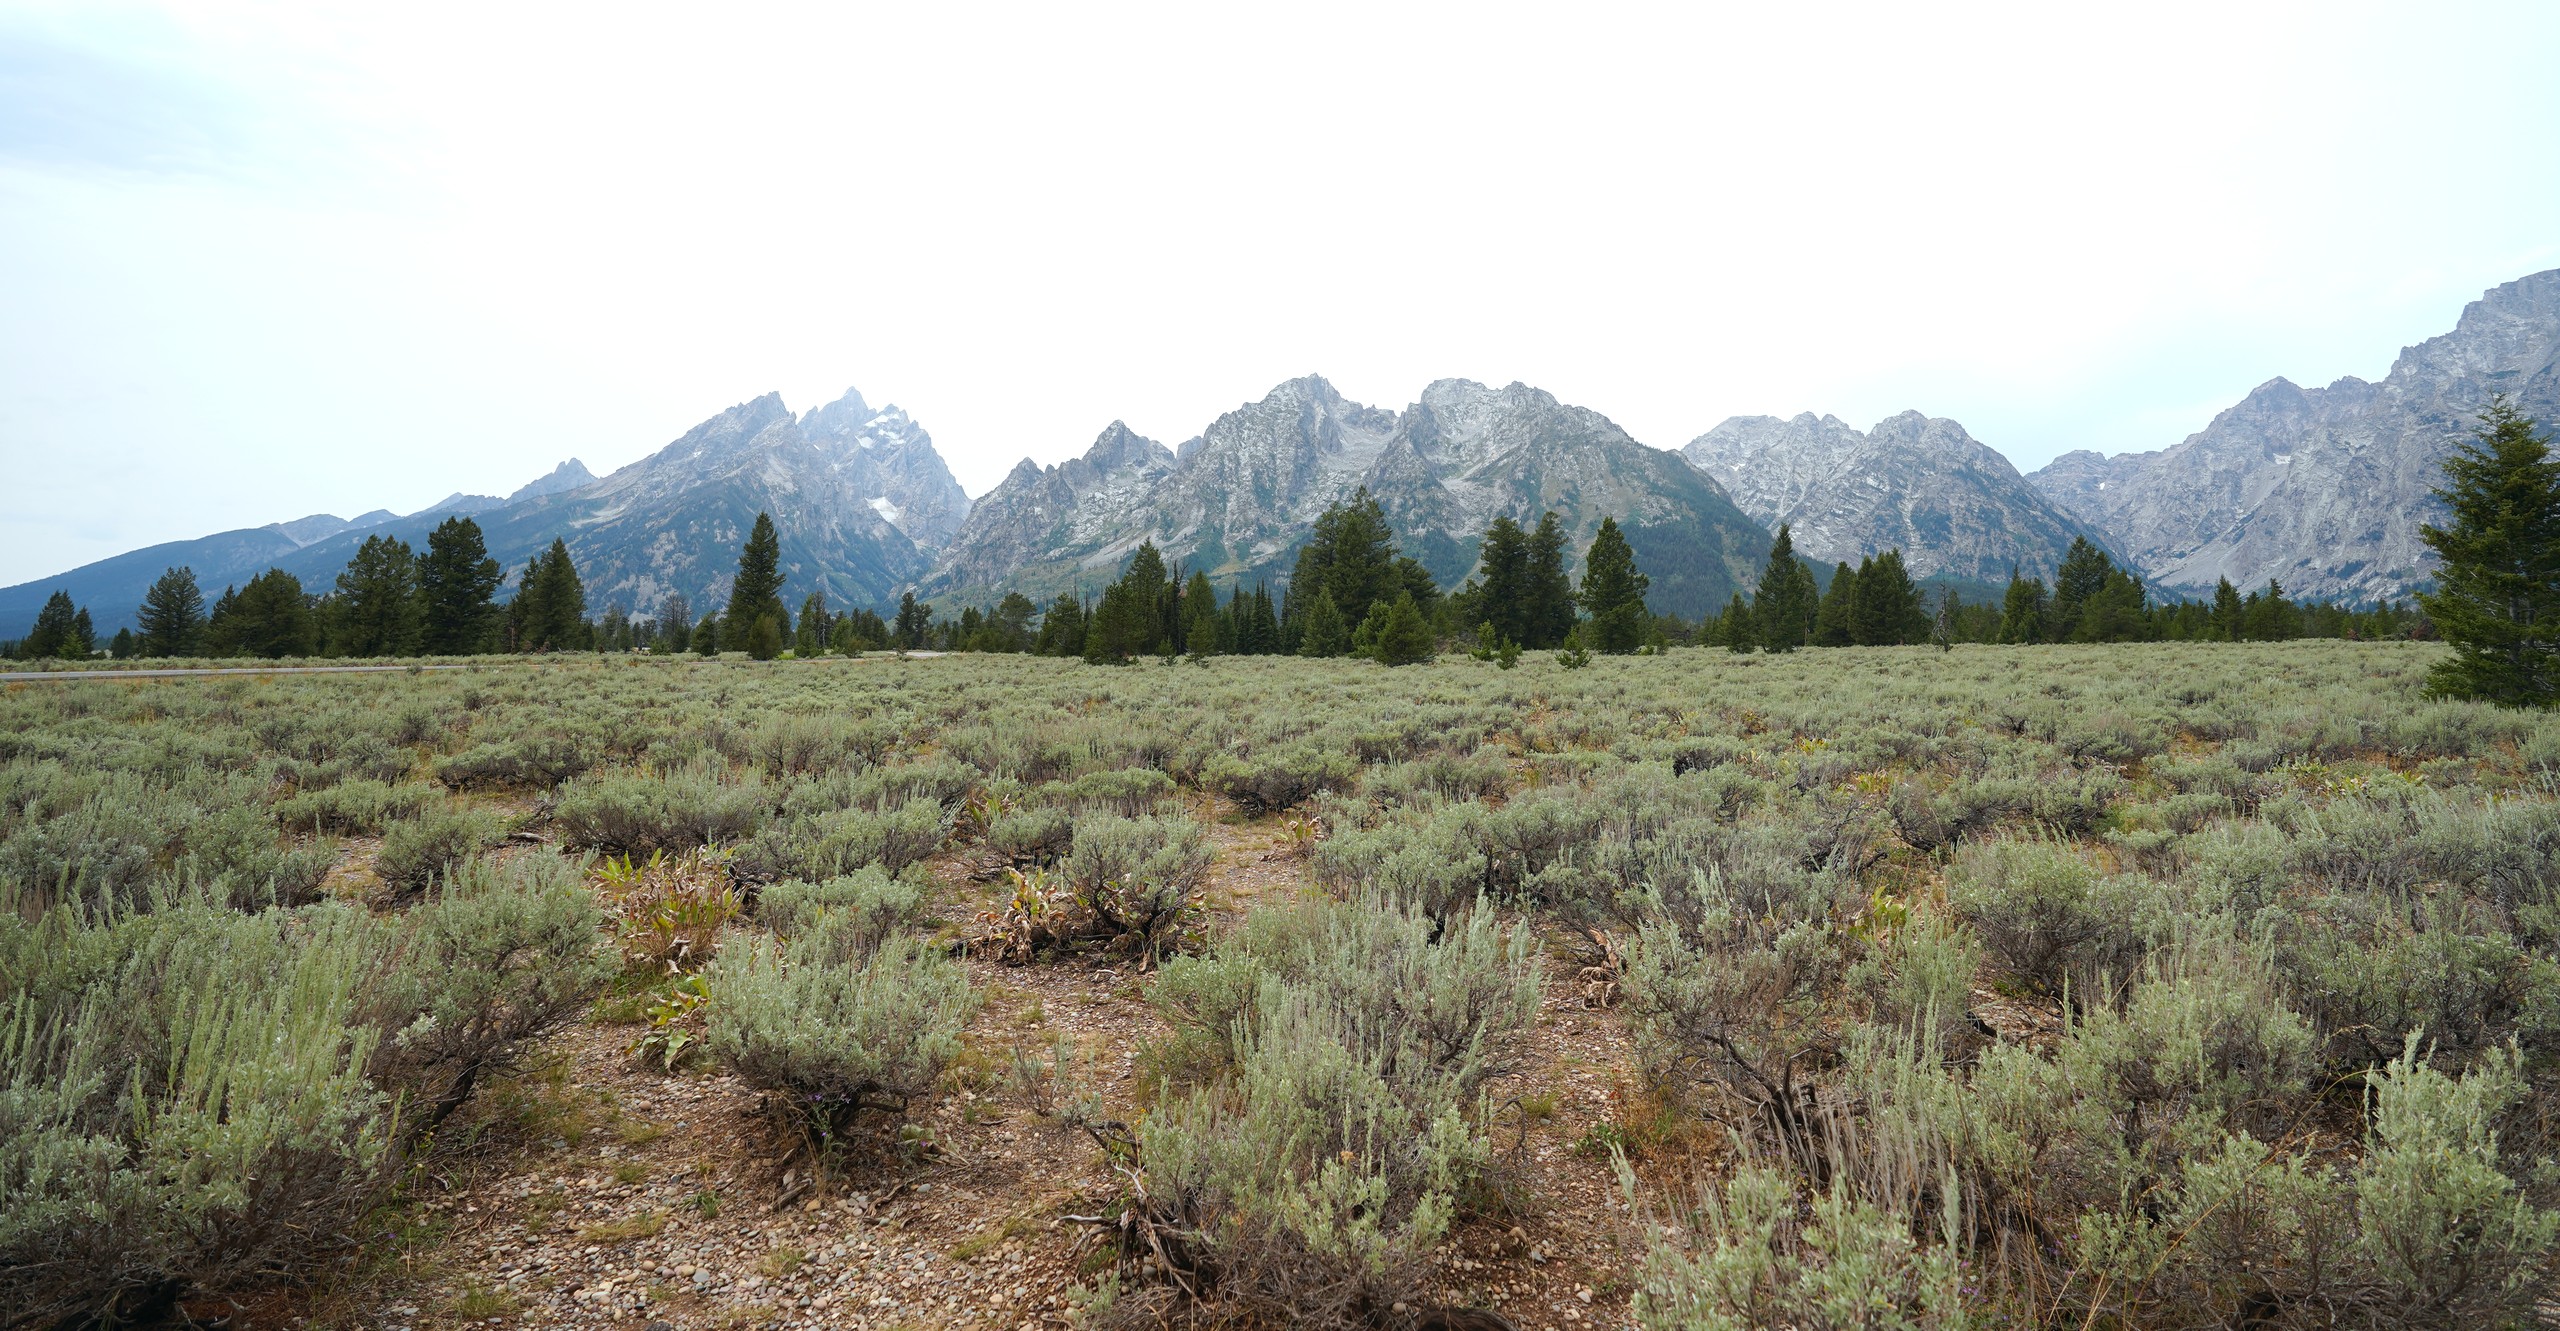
x=2497, y=597
x=1835, y=621
x=757, y=591
x=2024, y=611
x=1548, y=613
x=270, y=617
x=2082, y=575
x=1887, y=605
x=549, y=613
x=457, y=590
x=1502, y=582
x=172, y=615
x=379, y=612
x=1783, y=606
x=1613, y=592
x=56, y=635
x=1735, y=628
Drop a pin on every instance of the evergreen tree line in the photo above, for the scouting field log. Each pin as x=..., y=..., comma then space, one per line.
x=1352, y=593
x=2090, y=599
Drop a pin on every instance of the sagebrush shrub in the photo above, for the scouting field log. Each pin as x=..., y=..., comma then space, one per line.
x=634, y=813
x=359, y=808
x=1334, y=1143
x=2046, y=916
x=839, y=1022
x=1752, y=1254
x=1138, y=876
x=421, y=850
x=872, y=903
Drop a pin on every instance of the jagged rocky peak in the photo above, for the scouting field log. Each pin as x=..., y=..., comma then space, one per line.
x=569, y=475
x=891, y=459
x=1921, y=484
x=1119, y=448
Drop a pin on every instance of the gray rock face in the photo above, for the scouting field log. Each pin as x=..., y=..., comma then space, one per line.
x=569, y=475
x=1240, y=499
x=1920, y=484
x=2323, y=489
x=891, y=461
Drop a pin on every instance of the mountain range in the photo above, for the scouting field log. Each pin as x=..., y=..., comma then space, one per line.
x=2321, y=488
x=1238, y=501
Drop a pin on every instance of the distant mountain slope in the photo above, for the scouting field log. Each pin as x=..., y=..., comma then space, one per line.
x=1919, y=484
x=2323, y=488
x=839, y=490
x=673, y=521
x=1239, y=500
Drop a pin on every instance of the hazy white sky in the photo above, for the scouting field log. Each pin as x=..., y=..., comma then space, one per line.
x=258, y=261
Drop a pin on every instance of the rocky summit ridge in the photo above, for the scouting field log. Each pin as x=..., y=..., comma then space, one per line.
x=1954, y=507
x=2323, y=489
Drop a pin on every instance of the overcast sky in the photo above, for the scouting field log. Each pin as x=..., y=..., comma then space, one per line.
x=260, y=261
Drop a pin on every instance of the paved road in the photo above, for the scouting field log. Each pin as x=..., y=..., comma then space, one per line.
x=28, y=676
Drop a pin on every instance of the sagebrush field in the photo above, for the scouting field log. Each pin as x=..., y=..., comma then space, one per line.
x=2170, y=985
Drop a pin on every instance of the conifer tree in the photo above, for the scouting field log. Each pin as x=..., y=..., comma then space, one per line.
x=1062, y=629
x=2226, y=610
x=1835, y=622
x=1503, y=596
x=1012, y=621
x=2083, y=573
x=1571, y=654
x=124, y=646
x=2268, y=616
x=1887, y=605
x=1784, y=605
x=2497, y=592
x=757, y=590
x=1735, y=626
x=815, y=626
x=915, y=619
x=706, y=636
x=764, y=637
x=457, y=590
x=1613, y=592
x=2024, y=611
x=1200, y=617
x=1548, y=608
x=2114, y=612
x=1351, y=554
x=549, y=613
x=268, y=617
x=55, y=635
x=1404, y=638
x=1326, y=632
x=380, y=613
x=172, y=616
